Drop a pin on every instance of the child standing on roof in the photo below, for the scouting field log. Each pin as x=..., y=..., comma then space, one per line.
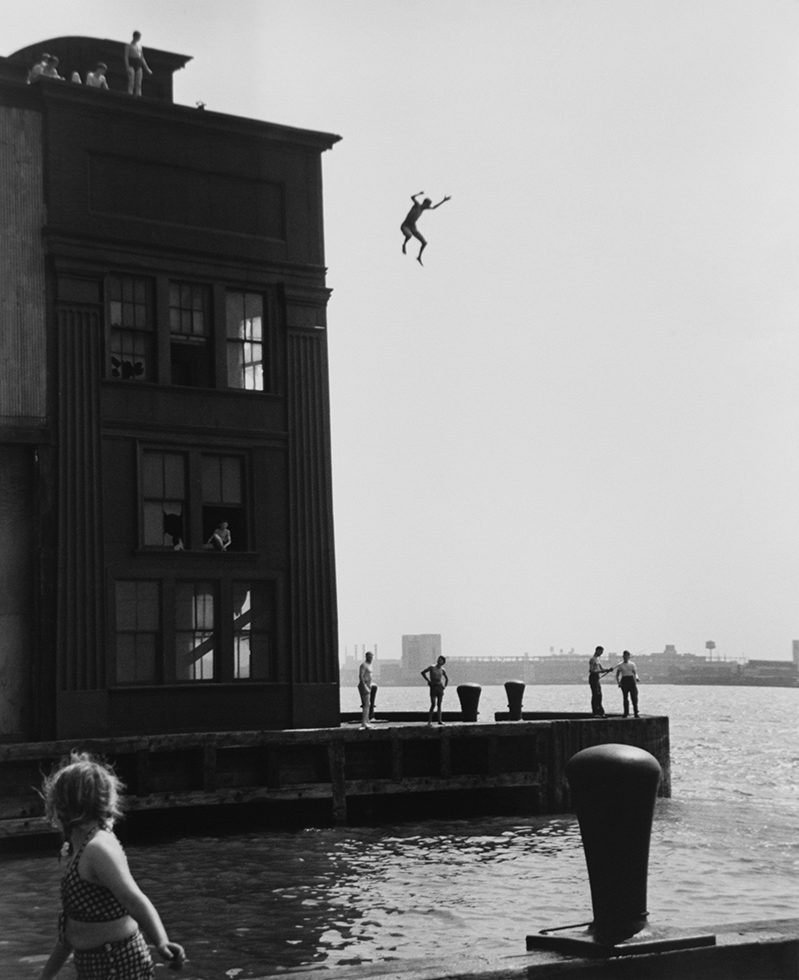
x=103, y=909
x=135, y=64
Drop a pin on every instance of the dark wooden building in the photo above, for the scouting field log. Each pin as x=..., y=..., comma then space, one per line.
x=163, y=372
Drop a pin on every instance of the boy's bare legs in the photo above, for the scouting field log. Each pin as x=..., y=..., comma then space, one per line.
x=423, y=240
x=409, y=233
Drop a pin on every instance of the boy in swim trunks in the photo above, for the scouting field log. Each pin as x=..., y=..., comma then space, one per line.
x=408, y=226
x=437, y=679
x=135, y=64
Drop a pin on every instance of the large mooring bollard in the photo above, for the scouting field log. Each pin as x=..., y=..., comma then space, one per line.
x=469, y=695
x=613, y=790
x=515, y=692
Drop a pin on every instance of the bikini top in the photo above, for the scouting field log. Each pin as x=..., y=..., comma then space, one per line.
x=84, y=901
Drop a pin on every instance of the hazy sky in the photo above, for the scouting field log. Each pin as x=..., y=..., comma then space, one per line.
x=577, y=424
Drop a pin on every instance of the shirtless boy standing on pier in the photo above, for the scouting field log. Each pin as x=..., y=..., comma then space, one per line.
x=408, y=226
x=436, y=677
x=365, y=687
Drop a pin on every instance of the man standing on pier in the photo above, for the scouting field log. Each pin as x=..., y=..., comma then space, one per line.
x=365, y=687
x=627, y=679
x=595, y=673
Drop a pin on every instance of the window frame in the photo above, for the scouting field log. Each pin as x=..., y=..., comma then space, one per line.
x=267, y=633
x=214, y=631
x=149, y=332
x=225, y=636
x=144, y=499
x=158, y=634
x=199, y=515
x=193, y=340
x=158, y=339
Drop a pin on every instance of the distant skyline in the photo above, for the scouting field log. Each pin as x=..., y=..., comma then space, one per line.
x=576, y=424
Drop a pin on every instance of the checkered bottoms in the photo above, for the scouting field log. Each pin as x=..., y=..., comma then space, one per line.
x=128, y=959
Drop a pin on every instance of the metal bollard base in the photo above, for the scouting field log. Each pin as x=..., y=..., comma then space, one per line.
x=581, y=940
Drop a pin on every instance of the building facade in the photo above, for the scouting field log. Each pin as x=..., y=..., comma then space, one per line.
x=163, y=376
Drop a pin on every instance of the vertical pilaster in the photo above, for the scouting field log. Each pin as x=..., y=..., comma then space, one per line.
x=313, y=588
x=80, y=620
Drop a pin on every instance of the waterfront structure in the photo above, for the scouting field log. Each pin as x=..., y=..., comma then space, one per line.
x=163, y=375
x=335, y=776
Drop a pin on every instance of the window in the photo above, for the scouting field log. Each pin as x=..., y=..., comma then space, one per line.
x=186, y=631
x=186, y=497
x=164, y=500
x=187, y=325
x=195, y=642
x=223, y=500
x=253, y=644
x=138, y=629
x=245, y=341
x=189, y=330
x=131, y=328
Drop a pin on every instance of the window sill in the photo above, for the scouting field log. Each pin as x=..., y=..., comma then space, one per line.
x=193, y=389
x=192, y=685
x=203, y=553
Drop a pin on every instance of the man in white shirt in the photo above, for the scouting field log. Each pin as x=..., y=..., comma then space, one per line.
x=595, y=673
x=627, y=679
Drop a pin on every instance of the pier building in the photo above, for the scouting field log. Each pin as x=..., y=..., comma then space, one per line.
x=163, y=377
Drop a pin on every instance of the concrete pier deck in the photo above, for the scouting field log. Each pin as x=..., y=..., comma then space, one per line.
x=743, y=951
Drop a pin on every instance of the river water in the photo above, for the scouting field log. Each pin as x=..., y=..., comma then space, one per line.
x=725, y=848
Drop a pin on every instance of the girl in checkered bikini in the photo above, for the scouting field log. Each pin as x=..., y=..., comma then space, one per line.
x=103, y=909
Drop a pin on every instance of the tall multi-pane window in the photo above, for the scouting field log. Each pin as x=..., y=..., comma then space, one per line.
x=223, y=498
x=253, y=642
x=164, y=500
x=190, y=333
x=245, y=340
x=195, y=631
x=138, y=628
x=131, y=323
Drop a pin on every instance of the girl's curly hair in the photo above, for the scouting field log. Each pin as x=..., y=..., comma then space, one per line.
x=82, y=788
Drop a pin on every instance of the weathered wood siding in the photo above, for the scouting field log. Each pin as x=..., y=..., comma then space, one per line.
x=16, y=590
x=23, y=341
x=342, y=774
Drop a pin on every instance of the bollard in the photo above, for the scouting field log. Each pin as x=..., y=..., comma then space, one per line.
x=469, y=695
x=613, y=790
x=515, y=693
x=372, y=696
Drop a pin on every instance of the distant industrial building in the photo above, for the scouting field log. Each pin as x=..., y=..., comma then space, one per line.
x=665, y=667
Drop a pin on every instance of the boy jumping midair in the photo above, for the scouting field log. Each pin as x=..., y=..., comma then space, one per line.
x=408, y=226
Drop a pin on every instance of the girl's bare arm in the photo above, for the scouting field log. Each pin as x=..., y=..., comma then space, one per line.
x=55, y=961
